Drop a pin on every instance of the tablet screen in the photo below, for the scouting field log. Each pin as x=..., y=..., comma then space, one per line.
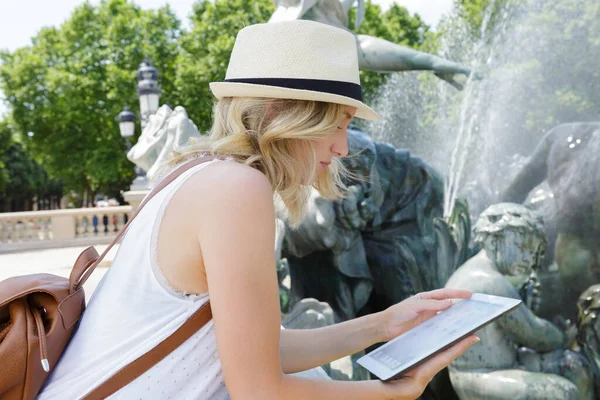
x=436, y=334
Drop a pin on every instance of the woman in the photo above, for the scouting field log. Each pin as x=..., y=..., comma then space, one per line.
x=279, y=127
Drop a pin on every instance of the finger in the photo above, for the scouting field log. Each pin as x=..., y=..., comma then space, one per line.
x=431, y=305
x=425, y=316
x=441, y=360
x=445, y=293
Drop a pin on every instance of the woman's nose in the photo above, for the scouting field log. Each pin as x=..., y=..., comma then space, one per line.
x=339, y=147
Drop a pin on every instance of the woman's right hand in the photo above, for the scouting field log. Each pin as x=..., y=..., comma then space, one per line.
x=412, y=384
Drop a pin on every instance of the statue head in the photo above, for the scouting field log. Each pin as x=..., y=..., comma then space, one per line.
x=588, y=325
x=512, y=236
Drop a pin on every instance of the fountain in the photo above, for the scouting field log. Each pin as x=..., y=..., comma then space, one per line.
x=406, y=229
x=525, y=133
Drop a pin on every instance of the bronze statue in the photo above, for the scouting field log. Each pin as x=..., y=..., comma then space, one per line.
x=520, y=356
x=567, y=158
x=382, y=243
x=375, y=54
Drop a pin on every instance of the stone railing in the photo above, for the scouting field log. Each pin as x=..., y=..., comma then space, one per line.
x=21, y=231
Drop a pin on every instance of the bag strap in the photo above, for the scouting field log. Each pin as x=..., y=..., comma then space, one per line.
x=135, y=369
x=82, y=271
x=192, y=325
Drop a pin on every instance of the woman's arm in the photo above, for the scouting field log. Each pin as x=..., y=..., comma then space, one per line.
x=233, y=210
x=303, y=349
x=236, y=228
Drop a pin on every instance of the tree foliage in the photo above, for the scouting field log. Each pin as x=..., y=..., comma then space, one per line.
x=5, y=143
x=544, y=63
x=206, y=48
x=21, y=177
x=69, y=85
x=538, y=61
x=559, y=65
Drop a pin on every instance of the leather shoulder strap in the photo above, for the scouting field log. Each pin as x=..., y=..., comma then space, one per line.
x=192, y=325
x=135, y=369
x=81, y=272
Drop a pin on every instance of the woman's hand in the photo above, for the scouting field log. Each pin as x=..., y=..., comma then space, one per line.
x=412, y=384
x=417, y=309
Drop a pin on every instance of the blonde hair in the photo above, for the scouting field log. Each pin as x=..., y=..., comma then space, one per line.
x=275, y=136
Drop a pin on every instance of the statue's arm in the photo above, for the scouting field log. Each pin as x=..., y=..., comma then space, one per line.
x=380, y=55
x=528, y=330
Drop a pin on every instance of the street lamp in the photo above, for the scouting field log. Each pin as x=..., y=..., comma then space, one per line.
x=127, y=128
x=149, y=94
x=148, y=90
x=127, y=125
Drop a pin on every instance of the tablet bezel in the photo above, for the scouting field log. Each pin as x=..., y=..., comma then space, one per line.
x=385, y=374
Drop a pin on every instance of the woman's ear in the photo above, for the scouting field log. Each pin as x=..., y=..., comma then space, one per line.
x=269, y=111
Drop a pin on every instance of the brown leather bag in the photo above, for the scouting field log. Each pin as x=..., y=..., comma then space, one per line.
x=39, y=312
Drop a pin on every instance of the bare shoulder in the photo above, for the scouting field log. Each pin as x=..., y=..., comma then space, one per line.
x=225, y=186
x=232, y=174
x=226, y=179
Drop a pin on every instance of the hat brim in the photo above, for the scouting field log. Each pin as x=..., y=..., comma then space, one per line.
x=236, y=89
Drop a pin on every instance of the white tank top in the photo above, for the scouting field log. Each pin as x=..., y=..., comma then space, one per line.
x=132, y=310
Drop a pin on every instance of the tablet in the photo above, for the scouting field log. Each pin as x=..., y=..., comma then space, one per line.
x=436, y=334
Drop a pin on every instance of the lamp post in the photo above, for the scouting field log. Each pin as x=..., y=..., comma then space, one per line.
x=127, y=128
x=148, y=90
x=127, y=125
x=149, y=96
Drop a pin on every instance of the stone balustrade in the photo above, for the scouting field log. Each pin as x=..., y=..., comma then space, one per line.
x=20, y=231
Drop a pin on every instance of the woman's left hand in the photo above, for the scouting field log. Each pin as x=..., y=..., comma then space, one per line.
x=417, y=309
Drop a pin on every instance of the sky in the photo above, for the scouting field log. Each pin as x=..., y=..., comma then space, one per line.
x=22, y=19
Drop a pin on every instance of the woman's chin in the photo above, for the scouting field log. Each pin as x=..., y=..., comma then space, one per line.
x=310, y=181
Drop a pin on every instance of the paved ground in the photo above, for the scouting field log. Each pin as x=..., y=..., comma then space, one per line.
x=53, y=261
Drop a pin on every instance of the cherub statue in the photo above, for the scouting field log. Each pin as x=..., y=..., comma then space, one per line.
x=567, y=158
x=588, y=327
x=520, y=356
x=375, y=54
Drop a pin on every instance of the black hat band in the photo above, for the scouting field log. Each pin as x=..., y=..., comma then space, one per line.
x=346, y=89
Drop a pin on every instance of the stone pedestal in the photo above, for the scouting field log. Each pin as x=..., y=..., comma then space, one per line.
x=135, y=197
x=138, y=190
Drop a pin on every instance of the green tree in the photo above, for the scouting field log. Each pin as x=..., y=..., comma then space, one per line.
x=557, y=67
x=21, y=177
x=69, y=85
x=539, y=66
x=206, y=48
x=5, y=143
x=544, y=67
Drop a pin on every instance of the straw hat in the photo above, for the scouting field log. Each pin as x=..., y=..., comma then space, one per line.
x=301, y=59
